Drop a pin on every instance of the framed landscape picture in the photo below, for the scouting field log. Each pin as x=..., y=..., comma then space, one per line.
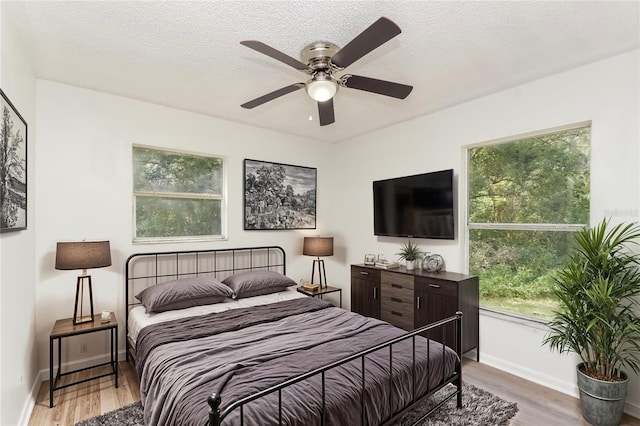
x=279, y=196
x=13, y=168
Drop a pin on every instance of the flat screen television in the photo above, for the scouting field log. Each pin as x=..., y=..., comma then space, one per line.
x=418, y=206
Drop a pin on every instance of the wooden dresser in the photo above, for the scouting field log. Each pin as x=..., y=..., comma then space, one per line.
x=411, y=299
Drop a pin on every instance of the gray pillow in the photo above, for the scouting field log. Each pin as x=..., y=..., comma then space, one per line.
x=256, y=283
x=183, y=293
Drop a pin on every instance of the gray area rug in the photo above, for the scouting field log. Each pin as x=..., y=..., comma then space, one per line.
x=479, y=408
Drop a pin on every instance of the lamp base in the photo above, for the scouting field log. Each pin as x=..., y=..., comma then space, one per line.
x=82, y=320
x=321, y=272
x=78, y=317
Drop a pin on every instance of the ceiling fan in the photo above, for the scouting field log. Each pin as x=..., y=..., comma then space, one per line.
x=322, y=59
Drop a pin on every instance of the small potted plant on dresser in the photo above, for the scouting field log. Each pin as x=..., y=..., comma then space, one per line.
x=409, y=253
x=598, y=317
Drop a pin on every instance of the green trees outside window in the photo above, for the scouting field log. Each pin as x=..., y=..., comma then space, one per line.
x=525, y=198
x=176, y=195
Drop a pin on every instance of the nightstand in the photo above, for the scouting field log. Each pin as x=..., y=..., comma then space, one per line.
x=64, y=328
x=321, y=291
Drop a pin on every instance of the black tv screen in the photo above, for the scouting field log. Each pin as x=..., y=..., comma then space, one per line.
x=418, y=206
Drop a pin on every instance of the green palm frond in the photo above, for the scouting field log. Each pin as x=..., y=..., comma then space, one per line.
x=597, y=292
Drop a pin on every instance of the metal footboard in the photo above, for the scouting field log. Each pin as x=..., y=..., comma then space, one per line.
x=216, y=416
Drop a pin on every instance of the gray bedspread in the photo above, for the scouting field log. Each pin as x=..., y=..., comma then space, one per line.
x=240, y=352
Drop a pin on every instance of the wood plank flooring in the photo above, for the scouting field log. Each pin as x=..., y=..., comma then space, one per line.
x=537, y=405
x=86, y=400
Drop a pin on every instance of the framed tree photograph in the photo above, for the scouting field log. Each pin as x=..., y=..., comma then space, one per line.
x=13, y=168
x=279, y=196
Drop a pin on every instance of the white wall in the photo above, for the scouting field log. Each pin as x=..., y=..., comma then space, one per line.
x=83, y=182
x=84, y=191
x=18, y=356
x=605, y=93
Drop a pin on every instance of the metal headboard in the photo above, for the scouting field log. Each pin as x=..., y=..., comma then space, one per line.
x=146, y=269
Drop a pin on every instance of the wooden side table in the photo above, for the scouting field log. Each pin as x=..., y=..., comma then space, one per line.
x=321, y=291
x=65, y=328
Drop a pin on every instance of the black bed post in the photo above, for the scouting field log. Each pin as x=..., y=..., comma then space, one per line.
x=459, y=350
x=214, y=411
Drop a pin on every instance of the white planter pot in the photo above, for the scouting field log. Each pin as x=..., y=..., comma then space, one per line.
x=411, y=264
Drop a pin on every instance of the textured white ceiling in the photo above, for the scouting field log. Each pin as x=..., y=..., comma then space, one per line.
x=188, y=55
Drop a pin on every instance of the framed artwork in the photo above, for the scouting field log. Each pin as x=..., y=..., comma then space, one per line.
x=13, y=168
x=279, y=196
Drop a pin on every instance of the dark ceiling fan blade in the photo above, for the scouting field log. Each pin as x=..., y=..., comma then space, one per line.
x=273, y=95
x=325, y=112
x=376, y=35
x=381, y=87
x=275, y=54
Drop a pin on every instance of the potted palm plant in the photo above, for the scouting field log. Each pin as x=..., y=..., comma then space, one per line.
x=409, y=253
x=598, y=317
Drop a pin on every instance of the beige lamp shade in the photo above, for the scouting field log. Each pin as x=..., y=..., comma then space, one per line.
x=83, y=255
x=318, y=246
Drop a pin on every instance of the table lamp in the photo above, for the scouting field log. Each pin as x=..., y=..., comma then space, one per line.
x=318, y=246
x=82, y=256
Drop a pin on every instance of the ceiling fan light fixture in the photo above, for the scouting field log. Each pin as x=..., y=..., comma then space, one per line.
x=321, y=59
x=321, y=88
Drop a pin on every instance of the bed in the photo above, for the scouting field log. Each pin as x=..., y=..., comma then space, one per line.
x=273, y=356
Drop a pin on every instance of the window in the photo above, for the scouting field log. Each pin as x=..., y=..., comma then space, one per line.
x=525, y=198
x=177, y=195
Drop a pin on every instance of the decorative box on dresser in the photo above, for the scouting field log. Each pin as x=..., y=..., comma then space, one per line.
x=412, y=299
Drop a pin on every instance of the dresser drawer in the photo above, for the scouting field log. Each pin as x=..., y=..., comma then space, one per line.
x=397, y=299
x=402, y=295
x=443, y=288
x=399, y=314
x=397, y=281
x=365, y=273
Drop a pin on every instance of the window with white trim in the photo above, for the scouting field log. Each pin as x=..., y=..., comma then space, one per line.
x=525, y=199
x=177, y=195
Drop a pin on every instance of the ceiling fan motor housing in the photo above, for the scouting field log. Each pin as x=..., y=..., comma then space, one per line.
x=318, y=55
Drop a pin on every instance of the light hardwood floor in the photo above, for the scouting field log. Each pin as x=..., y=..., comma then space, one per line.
x=86, y=400
x=537, y=405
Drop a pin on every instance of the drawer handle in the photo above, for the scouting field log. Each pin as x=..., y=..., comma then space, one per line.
x=396, y=285
x=399, y=314
x=395, y=299
x=418, y=301
x=434, y=285
x=364, y=273
x=375, y=293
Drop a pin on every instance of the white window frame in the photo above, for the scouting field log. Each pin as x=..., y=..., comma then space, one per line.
x=222, y=197
x=467, y=226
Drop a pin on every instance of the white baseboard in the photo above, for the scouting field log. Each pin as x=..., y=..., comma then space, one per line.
x=43, y=375
x=531, y=375
x=82, y=363
x=27, y=407
x=545, y=380
x=632, y=409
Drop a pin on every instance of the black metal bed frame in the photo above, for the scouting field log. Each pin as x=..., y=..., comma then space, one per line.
x=188, y=263
x=216, y=416
x=214, y=400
